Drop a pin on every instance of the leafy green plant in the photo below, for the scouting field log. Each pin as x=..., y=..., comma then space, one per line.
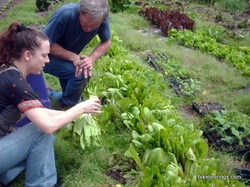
x=43, y=5
x=232, y=126
x=87, y=129
x=171, y=156
x=119, y=6
x=188, y=87
x=167, y=151
x=239, y=56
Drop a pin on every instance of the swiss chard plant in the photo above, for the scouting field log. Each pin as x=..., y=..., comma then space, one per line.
x=86, y=128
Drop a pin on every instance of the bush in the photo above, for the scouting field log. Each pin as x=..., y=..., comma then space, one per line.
x=43, y=5
x=119, y=6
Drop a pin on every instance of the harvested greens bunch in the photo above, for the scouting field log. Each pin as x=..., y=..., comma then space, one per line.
x=86, y=127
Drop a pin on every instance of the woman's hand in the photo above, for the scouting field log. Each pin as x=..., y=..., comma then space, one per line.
x=91, y=106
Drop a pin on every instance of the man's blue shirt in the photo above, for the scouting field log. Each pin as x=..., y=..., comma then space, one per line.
x=64, y=29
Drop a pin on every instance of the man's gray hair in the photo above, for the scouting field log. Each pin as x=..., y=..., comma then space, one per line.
x=97, y=9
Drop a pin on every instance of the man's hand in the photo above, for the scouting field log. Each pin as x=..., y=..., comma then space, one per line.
x=87, y=62
x=83, y=65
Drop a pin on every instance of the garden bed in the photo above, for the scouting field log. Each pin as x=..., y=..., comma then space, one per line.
x=215, y=139
x=241, y=153
x=207, y=107
x=172, y=72
x=153, y=59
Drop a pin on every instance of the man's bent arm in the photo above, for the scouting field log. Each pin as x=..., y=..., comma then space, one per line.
x=100, y=50
x=58, y=51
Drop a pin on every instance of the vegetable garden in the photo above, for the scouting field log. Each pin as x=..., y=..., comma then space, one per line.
x=167, y=151
x=156, y=146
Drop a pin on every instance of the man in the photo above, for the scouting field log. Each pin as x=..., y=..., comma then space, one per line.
x=70, y=29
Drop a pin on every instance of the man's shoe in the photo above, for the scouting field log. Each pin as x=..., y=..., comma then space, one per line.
x=51, y=93
x=54, y=94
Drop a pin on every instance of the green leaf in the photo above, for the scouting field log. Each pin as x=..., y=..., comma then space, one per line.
x=235, y=132
x=128, y=124
x=78, y=127
x=190, y=155
x=135, y=135
x=82, y=141
x=157, y=126
x=132, y=152
x=154, y=157
x=202, y=149
x=137, y=143
x=135, y=111
x=229, y=139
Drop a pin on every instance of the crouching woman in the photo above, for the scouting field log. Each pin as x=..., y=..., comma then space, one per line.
x=23, y=51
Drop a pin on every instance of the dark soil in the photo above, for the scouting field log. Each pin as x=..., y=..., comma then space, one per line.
x=207, y=108
x=188, y=110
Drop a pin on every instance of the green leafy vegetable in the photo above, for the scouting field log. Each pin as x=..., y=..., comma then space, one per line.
x=87, y=128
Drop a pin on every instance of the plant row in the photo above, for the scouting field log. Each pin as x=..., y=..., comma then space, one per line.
x=167, y=150
x=173, y=72
x=167, y=20
x=239, y=56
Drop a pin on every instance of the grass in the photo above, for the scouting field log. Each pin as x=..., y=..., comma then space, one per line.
x=87, y=168
x=233, y=5
x=25, y=13
x=220, y=82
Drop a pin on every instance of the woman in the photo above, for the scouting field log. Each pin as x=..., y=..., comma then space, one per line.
x=24, y=51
